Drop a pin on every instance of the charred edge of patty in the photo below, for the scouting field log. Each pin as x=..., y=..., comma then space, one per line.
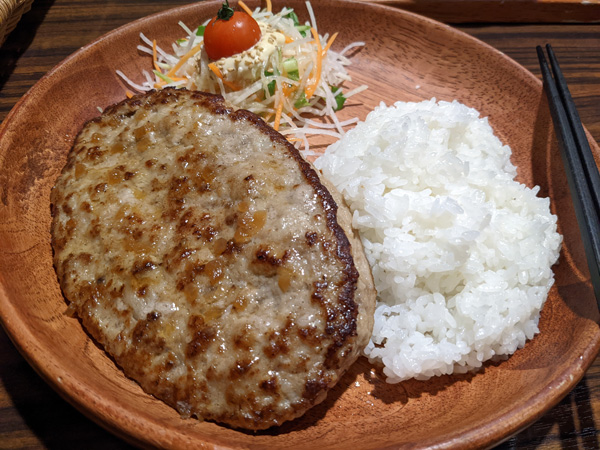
x=216, y=104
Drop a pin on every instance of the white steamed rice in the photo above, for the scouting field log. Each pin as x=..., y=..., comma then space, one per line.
x=461, y=253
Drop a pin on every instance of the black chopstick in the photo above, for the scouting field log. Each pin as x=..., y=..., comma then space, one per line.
x=582, y=173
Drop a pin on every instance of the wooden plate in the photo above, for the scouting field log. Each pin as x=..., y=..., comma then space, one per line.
x=406, y=57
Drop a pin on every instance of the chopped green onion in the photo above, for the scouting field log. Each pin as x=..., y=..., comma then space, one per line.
x=200, y=30
x=290, y=67
x=303, y=29
x=271, y=86
x=290, y=64
x=162, y=77
x=181, y=41
x=294, y=75
x=339, y=98
x=292, y=15
x=301, y=101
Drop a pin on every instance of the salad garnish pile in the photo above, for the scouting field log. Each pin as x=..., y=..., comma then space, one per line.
x=265, y=62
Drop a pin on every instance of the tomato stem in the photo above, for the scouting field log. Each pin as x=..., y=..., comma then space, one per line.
x=226, y=12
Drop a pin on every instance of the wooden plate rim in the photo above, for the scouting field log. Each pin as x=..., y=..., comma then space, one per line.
x=51, y=371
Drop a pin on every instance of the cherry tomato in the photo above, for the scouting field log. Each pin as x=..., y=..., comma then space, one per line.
x=229, y=33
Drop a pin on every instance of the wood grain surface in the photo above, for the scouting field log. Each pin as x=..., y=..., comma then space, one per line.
x=506, y=11
x=32, y=415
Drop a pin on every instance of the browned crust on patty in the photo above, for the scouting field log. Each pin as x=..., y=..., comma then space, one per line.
x=216, y=104
x=178, y=368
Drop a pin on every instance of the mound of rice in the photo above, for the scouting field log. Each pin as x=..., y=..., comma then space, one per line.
x=461, y=253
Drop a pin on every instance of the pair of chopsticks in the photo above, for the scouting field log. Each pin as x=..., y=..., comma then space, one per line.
x=582, y=173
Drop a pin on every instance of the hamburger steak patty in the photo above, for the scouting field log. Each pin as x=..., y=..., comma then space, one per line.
x=199, y=248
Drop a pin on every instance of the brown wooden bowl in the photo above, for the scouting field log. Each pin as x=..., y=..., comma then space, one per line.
x=406, y=57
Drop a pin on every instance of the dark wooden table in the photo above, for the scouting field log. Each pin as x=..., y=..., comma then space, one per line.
x=33, y=416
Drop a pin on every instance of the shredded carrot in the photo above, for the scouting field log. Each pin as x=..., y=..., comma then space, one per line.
x=310, y=90
x=286, y=90
x=212, y=66
x=129, y=94
x=278, y=113
x=183, y=59
x=269, y=5
x=242, y=5
x=293, y=139
x=154, y=57
x=331, y=39
x=288, y=39
x=161, y=83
